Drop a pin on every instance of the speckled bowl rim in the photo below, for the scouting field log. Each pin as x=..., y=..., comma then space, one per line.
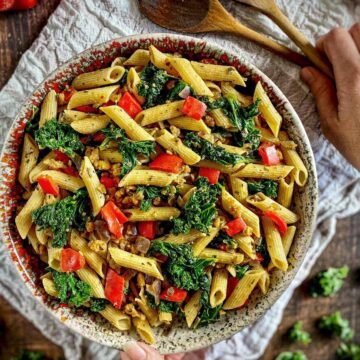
x=180, y=338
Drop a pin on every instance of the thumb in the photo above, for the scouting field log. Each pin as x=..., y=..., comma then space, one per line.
x=139, y=351
x=324, y=91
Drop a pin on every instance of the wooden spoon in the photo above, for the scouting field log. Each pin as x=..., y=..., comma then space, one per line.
x=209, y=16
x=270, y=9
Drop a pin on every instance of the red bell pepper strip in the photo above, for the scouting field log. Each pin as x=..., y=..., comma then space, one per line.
x=268, y=154
x=87, y=109
x=71, y=260
x=231, y=285
x=114, y=288
x=147, y=229
x=235, y=226
x=194, y=108
x=211, y=174
x=114, y=218
x=278, y=221
x=60, y=156
x=6, y=4
x=173, y=294
x=108, y=103
x=24, y=4
x=168, y=163
x=48, y=185
x=130, y=104
x=70, y=171
x=162, y=258
x=108, y=181
x=98, y=137
x=222, y=247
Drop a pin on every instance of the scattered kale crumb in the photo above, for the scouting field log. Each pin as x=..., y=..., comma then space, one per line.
x=97, y=305
x=348, y=352
x=297, y=334
x=287, y=355
x=334, y=324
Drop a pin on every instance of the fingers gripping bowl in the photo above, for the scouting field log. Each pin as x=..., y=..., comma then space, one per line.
x=234, y=227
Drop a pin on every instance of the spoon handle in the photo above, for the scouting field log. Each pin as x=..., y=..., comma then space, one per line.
x=300, y=40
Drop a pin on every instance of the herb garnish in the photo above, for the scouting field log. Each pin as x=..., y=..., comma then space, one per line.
x=62, y=216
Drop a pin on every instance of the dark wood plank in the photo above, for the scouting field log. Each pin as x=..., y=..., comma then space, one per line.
x=344, y=249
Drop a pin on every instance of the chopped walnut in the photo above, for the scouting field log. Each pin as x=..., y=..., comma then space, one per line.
x=209, y=120
x=54, y=164
x=115, y=169
x=174, y=130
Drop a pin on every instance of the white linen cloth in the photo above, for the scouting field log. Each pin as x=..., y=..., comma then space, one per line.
x=77, y=25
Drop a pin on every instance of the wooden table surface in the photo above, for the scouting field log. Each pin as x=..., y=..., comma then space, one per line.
x=17, y=32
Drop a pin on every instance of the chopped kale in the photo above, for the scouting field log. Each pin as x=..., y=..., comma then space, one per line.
x=267, y=187
x=222, y=238
x=71, y=290
x=149, y=194
x=97, y=305
x=262, y=250
x=128, y=148
x=182, y=269
x=169, y=306
x=212, y=104
x=241, y=270
x=174, y=92
x=296, y=334
x=152, y=85
x=123, y=80
x=348, y=352
x=33, y=124
x=200, y=210
x=62, y=216
x=334, y=324
x=30, y=355
x=328, y=282
x=212, y=152
x=209, y=315
x=287, y=355
x=57, y=136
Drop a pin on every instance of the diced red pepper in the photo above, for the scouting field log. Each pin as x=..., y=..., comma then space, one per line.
x=85, y=139
x=108, y=103
x=114, y=288
x=48, y=185
x=147, y=229
x=70, y=171
x=223, y=247
x=194, y=108
x=6, y=4
x=71, y=260
x=87, y=109
x=24, y=4
x=259, y=257
x=211, y=174
x=268, y=154
x=130, y=104
x=168, y=163
x=60, y=156
x=173, y=294
x=162, y=258
x=231, y=285
x=278, y=221
x=66, y=95
x=98, y=137
x=235, y=226
x=109, y=181
x=114, y=218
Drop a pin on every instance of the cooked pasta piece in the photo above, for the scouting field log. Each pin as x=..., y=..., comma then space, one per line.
x=29, y=156
x=161, y=60
x=202, y=242
x=95, y=261
x=235, y=149
x=48, y=108
x=268, y=136
x=264, y=278
x=160, y=112
x=74, y=115
x=34, y=241
x=188, y=123
x=116, y=318
x=190, y=76
x=274, y=244
x=221, y=119
x=54, y=255
x=153, y=214
x=236, y=209
x=147, y=177
x=42, y=235
x=91, y=124
x=93, y=96
x=170, y=142
x=119, y=61
x=192, y=308
x=136, y=262
x=264, y=203
x=222, y=257
x=182, y=238
x=132, y=81
x=122, y=119
x=23, y=220
x=112, y=155
x=246, y=244
x=90, y=277
x=267, y=109
x=285, y=192
x=239, y=189
x=226, y=169
x=92, y=183
x=144, y=330
x=150, y=313
x=41, y=166
x=218, y=287
x=215, y=89
x=287, y=241
x=257, y=171
x=139, y=57
x=49, y=287
x=165, y=317
x=218, y=73
x=65, y=181
x=228, y=88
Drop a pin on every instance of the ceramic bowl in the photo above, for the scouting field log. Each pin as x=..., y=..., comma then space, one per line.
x=179, y=338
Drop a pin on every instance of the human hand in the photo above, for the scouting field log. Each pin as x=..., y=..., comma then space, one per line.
x=339, y=104
x=140, y=351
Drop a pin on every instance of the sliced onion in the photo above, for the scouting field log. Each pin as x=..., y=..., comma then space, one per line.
x=185, y=92
x=101, y=230
x=154, y=289
x=142, y=244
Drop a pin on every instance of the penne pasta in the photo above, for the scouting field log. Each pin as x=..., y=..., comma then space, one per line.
x=287, y=241
x=112, y=155
x=140, y=57
x=116, y=318
x=221, y=119
x=187, y=123
x=246, y=244
x=192, y=308
x=222, y=257
x=202, y=242
x=48, y=108
x=41, y=166
x=90, y=125
x=161, y=60
x=239, y=189
x=132, y=81
x=147, y=177
x=218, y=287
x=227, y=88
x=144, y=330
x=29, y=156
x=182, y=238
x=285, y=192
x=49, y=287
x=65, y=181
x=226, y=169
x=257, y=171
x=90, y=277
x=153, y=214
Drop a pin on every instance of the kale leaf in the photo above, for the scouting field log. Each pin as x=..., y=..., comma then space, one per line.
x=33, y=124
x=262, y=250
x=296, y=334
x=241, y=270
x=174, y=92
x=62, y=216
x=222, y=238
x=287, y=355
x=169, y=306
x=348, y=352
x=267, y=187
x=209, y=315
x=182, y=269
x=30, y=355
x=335, y=324
x=57, y=136
x=200, y=210
x=149, y=194
x=328, y=282
x=152, y=85
x=123, y=79
x=127, y=148
x=97, y=305
x=212, y=152
x=71, y=290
